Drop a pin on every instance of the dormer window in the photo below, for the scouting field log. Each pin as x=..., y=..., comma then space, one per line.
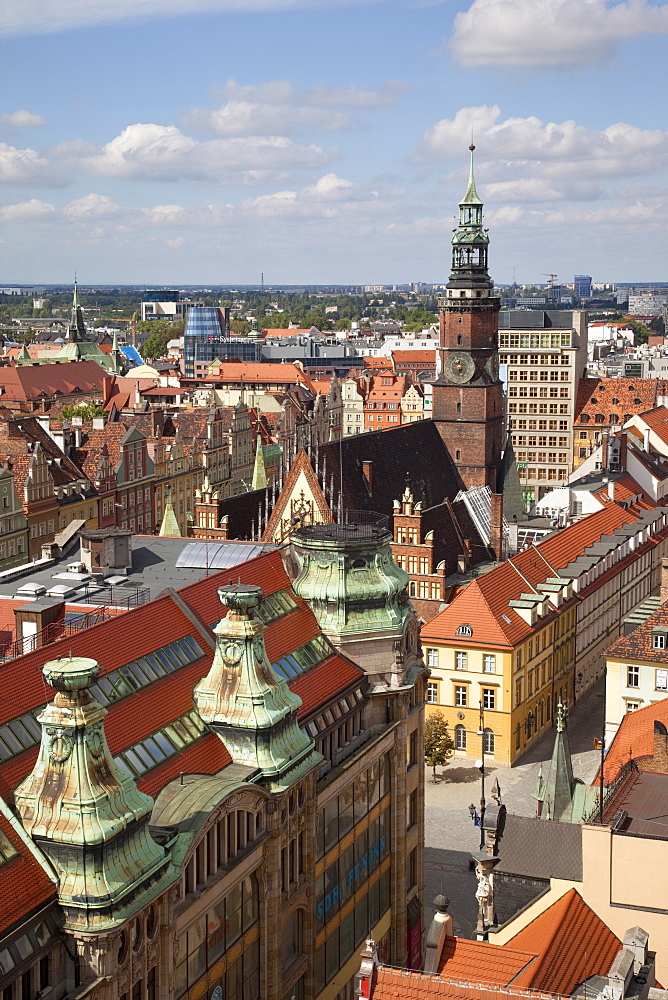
x=659, y=640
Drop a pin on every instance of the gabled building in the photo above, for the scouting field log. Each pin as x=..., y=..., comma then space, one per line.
x=14, y=532
x=54, y=492
x=606, y=405
x=637, y=667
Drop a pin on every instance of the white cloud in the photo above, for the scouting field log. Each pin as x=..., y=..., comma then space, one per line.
x=25, y=166
x=22, y=119
x=279, y=108
x=91, y=206
x=284, y=92
x=42, y=17
x=248, y=118
x=32, y=209
x=164, y=153
x=521, y=154
x=330, y=197
x=550, y=33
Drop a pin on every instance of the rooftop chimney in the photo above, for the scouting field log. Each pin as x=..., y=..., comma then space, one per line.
x=664, y=579
x=496, y=525
x=367, y=472
x=611, y=489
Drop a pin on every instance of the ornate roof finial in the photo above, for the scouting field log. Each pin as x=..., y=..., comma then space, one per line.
x=88, y=815
x=246, y=702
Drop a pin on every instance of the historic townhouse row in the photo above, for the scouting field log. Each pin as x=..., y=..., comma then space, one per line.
x=531, y=633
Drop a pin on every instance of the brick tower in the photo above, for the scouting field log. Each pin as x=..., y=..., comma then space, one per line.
x=468, y=396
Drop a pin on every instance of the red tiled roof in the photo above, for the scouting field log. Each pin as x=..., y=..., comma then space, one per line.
x=404, y=984
x=492, y=963
x=561, y=936
x=207, y=756
x=625, y=488
x=234, y=371
x=149, y=627
x=484, y=601
x=634, y=738
x=424, y=356
x=32, y=382
x=657, y=420
x=24, y=885
x=320, y=683
x=596, y=395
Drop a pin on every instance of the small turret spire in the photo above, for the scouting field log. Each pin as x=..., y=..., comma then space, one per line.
x=471, y=197
x=244, y=700
x=87, y=815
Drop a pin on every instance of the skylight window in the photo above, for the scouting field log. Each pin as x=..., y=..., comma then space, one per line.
x=24, y=732
x=159, y=746
x=7, y=849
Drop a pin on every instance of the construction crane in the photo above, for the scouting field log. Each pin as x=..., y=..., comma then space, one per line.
x=550, y=284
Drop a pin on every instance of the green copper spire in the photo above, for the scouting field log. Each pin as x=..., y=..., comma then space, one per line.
x=246, y=702
x=76, y=331
x=85, y=814
x=23, y=357
x=471, y=196
x=470, y=241
x=259, y=472
x=170, y=526
x=555, y=792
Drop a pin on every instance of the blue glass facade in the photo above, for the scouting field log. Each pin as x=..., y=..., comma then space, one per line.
x=204, y=338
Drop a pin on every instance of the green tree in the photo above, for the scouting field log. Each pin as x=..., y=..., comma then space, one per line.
x=86, y=410
x=240, y=327
x=438, y=744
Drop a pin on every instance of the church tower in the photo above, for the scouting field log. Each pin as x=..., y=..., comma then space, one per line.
x=467, y=394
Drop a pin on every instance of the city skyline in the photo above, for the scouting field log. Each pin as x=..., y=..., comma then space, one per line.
x=328, y=142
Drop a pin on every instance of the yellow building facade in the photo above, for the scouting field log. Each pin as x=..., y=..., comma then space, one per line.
x=499, y=699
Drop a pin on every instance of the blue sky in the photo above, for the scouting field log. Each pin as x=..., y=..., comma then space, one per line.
x=188, y=141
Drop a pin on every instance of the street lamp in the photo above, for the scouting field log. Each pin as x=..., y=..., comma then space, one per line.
x=480, y=764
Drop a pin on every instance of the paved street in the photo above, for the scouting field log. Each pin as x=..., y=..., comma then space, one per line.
x=450, y=836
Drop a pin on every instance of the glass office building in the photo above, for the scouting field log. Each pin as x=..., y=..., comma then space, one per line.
x=205, y=337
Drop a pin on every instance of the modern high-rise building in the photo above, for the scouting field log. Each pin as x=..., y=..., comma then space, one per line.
x=467, y=394
x=582, y=286
x=544, y=356
x=206, y=339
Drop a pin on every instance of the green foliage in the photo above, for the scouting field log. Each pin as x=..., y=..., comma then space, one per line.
x=240, y=327
x=641, y=330
x=161, y=332
x=438, y=743
x=86, y=410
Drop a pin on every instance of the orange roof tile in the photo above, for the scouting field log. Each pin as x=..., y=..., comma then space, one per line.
x=492, y=963
x=24, y=885
x=625, y=488
x=596, y=396
x=404, y=984
x=484, y=602
x=634, y=738
x=562, y=935
x=657, y=420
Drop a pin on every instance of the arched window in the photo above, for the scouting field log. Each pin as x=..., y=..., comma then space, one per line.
x=488, y=741
x=599, y=418
x=613, y=418
x=460, y=738
x=584, y=418
x=458, y=455
x=459, y=408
